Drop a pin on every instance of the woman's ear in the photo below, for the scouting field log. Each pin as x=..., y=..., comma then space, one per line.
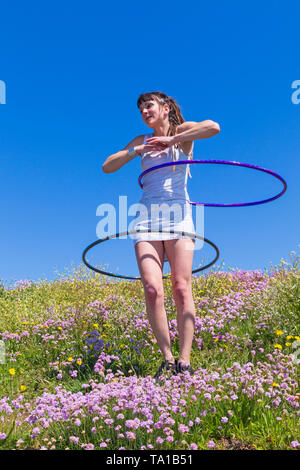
x=167, y=109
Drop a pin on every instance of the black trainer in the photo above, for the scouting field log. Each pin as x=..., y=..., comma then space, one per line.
x=169, y=366
x=181, y=367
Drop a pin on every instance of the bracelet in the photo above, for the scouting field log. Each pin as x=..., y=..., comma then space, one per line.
x=131, y=151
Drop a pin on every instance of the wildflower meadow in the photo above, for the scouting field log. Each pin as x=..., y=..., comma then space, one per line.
x=77, y=359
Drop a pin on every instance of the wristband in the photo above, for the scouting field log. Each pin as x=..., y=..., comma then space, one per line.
x=131, y=151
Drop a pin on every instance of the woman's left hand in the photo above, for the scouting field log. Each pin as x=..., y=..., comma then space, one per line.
x=162, y=141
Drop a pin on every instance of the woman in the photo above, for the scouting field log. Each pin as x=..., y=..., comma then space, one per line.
x=171, y=140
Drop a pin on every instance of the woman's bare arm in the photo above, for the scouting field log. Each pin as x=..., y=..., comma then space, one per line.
x=117, y=160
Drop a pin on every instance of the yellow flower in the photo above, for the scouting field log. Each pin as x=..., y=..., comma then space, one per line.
x=23, y=388
x=288, y=344
x=278, y=346
x=59, y=328
x=297, y=338
x=217, y=339
x=103, y=336
x=79, y=362
x=289, y=337
x=279, y=332
x=70, y=359
x=12, y=371
x=96, y=325
x=122, y=346
x=274, y=384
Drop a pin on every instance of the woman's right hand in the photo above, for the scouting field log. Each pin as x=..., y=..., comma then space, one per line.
x=153, y=147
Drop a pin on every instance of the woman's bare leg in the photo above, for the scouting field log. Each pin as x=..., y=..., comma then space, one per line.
x=150, y=262
x=180, y=254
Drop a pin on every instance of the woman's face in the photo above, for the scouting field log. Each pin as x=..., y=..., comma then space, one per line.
x=151, y=112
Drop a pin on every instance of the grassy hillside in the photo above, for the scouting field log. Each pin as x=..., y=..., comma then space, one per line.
x=77, y=357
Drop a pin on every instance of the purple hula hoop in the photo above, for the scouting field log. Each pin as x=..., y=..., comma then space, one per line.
x=223, y=162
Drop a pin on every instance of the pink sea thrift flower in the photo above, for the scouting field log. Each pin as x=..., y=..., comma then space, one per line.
x=183, y=428
x=89, y=447
x=295, y=444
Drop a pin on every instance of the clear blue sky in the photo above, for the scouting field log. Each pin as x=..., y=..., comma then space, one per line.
x=73, y=72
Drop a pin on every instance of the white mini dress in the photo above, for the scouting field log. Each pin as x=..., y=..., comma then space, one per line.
x=164, y=204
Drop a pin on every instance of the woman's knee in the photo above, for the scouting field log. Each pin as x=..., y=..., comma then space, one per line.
x=153, y=290
x=182, y=287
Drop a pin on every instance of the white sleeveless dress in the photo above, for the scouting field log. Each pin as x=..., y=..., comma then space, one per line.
x=164, y=188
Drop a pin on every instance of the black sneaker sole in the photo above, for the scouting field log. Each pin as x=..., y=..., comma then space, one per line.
x=168, y=366
x=181, y=369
